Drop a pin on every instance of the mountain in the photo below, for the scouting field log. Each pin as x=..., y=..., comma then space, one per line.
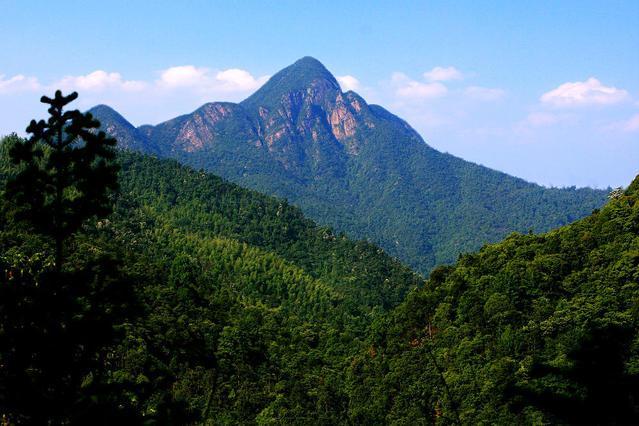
x=538, y=329
x=355, y=167
x=128, y=137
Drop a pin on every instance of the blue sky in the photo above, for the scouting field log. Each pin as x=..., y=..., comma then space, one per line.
x=544, y=90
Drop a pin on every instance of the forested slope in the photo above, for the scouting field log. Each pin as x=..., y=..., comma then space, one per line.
x=220, y=305
x=537, y=329
x=243, y=310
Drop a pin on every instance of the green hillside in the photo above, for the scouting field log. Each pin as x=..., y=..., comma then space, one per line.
x=201, y=302
x=243, y=310
x=538, y=329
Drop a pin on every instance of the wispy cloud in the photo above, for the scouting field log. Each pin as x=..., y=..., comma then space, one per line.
x=484, y=93
x=541, y=119
x=18, y=83
x=196, y=79
x=207, y=80
x=99, y=81
x=580, y=93
x=630, y=125
x=437, y=84
x=406, y=88
x=235, y=79
x=443, y=74
x=170, y=92
x=348, y=82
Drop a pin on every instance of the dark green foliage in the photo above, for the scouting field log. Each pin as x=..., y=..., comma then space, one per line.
x=355, y=167
x=536, y=329
x=60, y=298
x=208, y=206
x=56, y=331
x=251, y=310
x=245, y=312
x=64, y=172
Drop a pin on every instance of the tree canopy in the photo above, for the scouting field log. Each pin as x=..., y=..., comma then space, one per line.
x=172, y=296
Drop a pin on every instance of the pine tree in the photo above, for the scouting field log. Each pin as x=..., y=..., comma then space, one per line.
x=66, y=172
x=59, y=319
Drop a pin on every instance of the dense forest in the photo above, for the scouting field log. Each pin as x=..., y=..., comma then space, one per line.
x=538, y=329
x=138, y=290
x=355, y=167
x=240, y=309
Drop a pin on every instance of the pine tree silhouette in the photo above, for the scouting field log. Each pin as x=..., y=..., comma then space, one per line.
x=59, y=322
x=66, y=172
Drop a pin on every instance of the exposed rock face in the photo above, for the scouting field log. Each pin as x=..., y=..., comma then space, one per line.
x=317, y=114
x=193, y=135
x=296, y=121
x=121, y=134
x=200, y=129
x=342, y=120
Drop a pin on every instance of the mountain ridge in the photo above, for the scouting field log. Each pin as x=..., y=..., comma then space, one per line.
x=356, y=167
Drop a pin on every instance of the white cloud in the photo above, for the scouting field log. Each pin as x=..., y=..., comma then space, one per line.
x=173, y=91
x=235, y=79
x=443, y=74
x=428, y=119
x=630, y=125
x=183, y=76
x=18, y=83
x=205, y=80
x=589, y=92
x=97, y=81
x=170, y=92
x=537, y=120
x=348, y=82
x=410, y=89
x=484, y=93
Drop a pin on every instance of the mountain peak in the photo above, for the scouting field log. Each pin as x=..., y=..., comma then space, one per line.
x=310, y=63
x=106, y=114
x=300, y=75
x=115, y=125
x=305, y=70
x=102, y=109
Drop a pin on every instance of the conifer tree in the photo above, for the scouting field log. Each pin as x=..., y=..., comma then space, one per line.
x=66, y=172
x=59, y=322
